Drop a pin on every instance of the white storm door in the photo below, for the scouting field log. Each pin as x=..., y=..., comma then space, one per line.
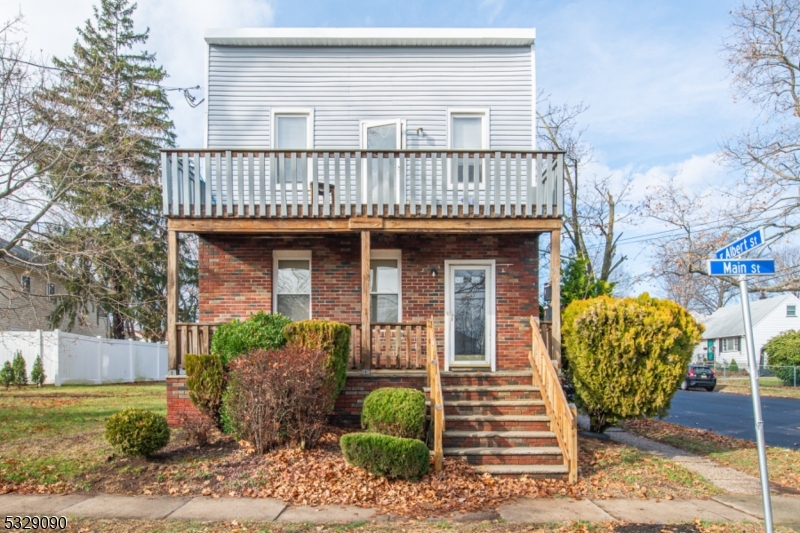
x=470, y=314
x=383, y=184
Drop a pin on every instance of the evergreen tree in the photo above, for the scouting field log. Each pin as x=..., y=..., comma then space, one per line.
x=37, y=372
x=578, y=282
x=7, y=374
x=112, y=250
x=20, y=372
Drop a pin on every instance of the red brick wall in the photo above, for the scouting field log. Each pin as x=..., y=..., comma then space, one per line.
x=178, y=401
x=236, y=278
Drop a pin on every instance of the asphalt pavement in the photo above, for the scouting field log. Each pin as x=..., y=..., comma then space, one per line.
x=732, y=415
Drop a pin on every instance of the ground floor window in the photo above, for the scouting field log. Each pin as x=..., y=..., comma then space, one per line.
x=385, y=286
x=731, y=344
x=292, y=283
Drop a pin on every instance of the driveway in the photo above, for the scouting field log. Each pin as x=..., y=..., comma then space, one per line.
x=732, y=415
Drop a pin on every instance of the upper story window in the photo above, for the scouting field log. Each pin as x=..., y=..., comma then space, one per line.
x=731, y=344
x=25, y=282
x=292, y=129
x=791, y=310
x=468, y=129
x=385, y=286
x=292, y=283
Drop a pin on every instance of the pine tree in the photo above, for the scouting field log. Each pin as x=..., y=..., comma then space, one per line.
x=20, y=372
x=7, y=374
x=113, y=250
x=37, y=372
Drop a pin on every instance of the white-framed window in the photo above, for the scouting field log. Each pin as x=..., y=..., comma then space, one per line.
x=25, y=283
x=731, y=344
x=791, y=310
x=291, y=292
x=292, y=129
x=468, y=129
x=385, y=286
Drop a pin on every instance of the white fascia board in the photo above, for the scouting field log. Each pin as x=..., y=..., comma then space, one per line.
x=371, y=36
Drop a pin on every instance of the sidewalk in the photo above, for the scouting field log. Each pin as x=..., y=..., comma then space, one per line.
x=786, y=510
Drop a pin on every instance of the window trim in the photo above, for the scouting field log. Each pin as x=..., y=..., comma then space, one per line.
x=389, y=254
x=50, y=289
x=469, y=112
x=292, y=255
x=308, y=112
x=793, y=314
x=26, y=283
x=737, y=343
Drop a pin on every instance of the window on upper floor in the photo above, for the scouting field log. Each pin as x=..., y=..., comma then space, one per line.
x=292, y=283
x=292, y=129
x=468, y=129
x=791, y=310
x=731, y=344
x=385, y=286
x=25, y=282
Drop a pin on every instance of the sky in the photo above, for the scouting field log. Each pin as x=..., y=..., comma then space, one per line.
x=652, y=73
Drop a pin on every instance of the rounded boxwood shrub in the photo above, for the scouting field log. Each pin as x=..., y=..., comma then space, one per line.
x=205, y=379
x=333, y=338
x=384, y=455
x=734, y=366
x=261, y=331
x=137, y=432
x=783, y=354
x=395, y=411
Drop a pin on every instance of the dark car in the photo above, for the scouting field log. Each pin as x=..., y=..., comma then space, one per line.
x=700, y=376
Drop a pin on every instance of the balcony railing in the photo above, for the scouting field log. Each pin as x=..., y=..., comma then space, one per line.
x=346, y=183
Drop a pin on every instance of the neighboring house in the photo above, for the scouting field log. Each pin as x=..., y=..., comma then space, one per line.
x=382, y=178
x=28, y=294
x=725, y=328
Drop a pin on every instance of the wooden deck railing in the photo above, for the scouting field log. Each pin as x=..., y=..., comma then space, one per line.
x=437, y=398
x=395, y=345
x=563, y=416
x=194, y=337
x=213, y=183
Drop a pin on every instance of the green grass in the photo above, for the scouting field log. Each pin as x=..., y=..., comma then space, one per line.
x=768, y=386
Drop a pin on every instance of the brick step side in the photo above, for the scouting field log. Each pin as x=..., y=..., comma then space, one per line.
x=497, y=408
x=477, y=393
x=496, y=423
x=485, y=379
x=507, y=456
x=498, y=439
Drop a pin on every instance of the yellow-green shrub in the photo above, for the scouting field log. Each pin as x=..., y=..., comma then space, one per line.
x=205, y=379
x=627, y=356
x=384, y=455
x=137, y=432
x=333, y=338
x=395, y=411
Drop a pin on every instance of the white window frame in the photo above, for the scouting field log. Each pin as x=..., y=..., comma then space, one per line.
x=469, y=112
x=308, y=112
x=791, y=311
x=292, y=255
x=389, y=254
x=737, y=344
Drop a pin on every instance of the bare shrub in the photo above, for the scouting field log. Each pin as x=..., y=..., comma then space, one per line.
x=199, y=427
x=279, y=396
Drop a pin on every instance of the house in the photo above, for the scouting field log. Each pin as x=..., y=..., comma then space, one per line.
x=28, y=295
x=724, y=334
x=389, y=179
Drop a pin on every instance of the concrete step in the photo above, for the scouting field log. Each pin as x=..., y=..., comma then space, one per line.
x=532, y=471
x=498, y=439
x=536, y=455
x=496, y=422
x=495, y=407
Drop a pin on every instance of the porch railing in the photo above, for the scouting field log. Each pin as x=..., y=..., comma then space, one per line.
x=213, y=183
x=395, y=345
x=563, y=416
x=193, y=337
x=437, y=397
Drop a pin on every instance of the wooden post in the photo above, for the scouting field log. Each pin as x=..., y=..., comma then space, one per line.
x=172, y=300
x=366, y=330
x=555, y=285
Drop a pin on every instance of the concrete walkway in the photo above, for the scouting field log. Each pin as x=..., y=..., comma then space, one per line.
x=720, y=509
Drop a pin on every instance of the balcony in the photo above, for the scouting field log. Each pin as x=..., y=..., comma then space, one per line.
x=343, y=184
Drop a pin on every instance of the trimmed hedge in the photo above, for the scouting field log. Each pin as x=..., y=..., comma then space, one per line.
x=137, y=432
x=783, y=353
x=394, y=411
x=331, y=337
x=384, y=455
x=205, y=379
x=261, y=331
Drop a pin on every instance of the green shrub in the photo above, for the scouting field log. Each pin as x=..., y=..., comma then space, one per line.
x=394, y=411
x=784, y=351
x=20, y=372
x=627, y=357
x=7, y=374
x=137, y=432
x=260, y=331
x=384, y=455
x=37, y=372
x=331, y=337
x=734, y=366
x=205, y=379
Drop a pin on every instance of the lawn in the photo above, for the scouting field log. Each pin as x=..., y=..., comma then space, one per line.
x=783, y=463
x=768, y=386
x=52, y=441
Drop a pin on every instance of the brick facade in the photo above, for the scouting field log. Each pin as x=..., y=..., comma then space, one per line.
x=178, y=402
x=236, y=278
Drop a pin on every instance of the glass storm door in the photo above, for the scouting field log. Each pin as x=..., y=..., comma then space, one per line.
x=376, y=136
x=470, y=314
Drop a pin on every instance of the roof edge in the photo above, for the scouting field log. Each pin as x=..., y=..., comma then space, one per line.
x=371, y=36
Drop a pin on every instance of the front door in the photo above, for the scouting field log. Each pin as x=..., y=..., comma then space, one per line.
x=384, y=174
x=469, y=314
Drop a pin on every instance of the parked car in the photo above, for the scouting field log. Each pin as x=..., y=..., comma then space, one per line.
x=699, y=376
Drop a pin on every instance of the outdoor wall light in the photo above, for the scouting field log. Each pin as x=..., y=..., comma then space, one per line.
x=434, y=272
x=419, y=131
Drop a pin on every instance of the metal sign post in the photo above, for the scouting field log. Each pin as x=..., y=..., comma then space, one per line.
x=726, y=265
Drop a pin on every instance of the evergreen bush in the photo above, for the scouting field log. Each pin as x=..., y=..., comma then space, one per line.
x=331, y=337
x=734, y=366
x=37, y=372
x=384, y=455
x=627, y=357
x=20, y=371
x=261, y=331
x=205, y=379
x=394, y=411
x=784, y=351
x=7, y=374
x=137, y=432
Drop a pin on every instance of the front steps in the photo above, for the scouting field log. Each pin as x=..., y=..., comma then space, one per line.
x=497, y=422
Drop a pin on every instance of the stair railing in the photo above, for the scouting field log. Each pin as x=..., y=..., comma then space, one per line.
x=563, y=416
x=437, y=399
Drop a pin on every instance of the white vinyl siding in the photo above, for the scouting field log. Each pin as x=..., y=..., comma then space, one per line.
x=347, y=85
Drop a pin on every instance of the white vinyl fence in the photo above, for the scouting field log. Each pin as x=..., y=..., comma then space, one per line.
x=78, y=359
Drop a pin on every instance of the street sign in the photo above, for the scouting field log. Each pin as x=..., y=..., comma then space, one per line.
x=741, y=246
x=738, y=267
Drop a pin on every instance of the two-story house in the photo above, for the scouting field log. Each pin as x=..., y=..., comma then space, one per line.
x=389, y=179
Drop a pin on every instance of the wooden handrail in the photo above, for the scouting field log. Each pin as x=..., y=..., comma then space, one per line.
x=563, y=416
x=437, y=399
